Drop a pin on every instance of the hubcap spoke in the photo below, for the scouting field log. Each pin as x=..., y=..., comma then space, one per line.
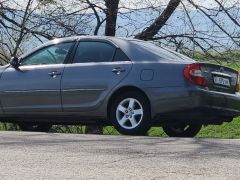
x=138, y=112
x=131, y=103
x=123, y=120
x=133, y=121
x=122, y=109
x=186, y=128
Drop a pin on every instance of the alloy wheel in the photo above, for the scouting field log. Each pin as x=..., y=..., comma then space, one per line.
x=129, y=113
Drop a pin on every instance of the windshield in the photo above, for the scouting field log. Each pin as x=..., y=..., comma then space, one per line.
x=162, y=51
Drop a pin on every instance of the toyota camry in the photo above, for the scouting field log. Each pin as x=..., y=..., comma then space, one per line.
x=130, y=84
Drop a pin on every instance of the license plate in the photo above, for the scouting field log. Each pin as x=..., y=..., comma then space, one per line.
x=221, y=81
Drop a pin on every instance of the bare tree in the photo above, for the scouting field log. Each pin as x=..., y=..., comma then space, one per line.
x=35, y=20
x=159, y=22
x=111, y=17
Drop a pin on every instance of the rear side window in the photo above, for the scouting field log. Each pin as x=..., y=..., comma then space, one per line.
x=94, y=52
x=161, y=51
x=120, y=56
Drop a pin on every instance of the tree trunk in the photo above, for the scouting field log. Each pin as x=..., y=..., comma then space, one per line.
x=111, y=17
x=159, y=22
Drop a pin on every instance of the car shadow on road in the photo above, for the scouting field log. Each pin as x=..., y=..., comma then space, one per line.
x=120, y=145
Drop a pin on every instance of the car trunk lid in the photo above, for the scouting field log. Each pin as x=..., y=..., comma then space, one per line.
x=220, y=78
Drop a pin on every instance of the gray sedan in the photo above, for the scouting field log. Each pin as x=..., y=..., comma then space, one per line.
x=130, y=84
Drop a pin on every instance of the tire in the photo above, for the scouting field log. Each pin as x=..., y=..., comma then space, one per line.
x=35, y=127
x=130, y=113
x=182, y=130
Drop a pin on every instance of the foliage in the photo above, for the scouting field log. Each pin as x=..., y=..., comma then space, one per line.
x=226, y=130
x=186, y=26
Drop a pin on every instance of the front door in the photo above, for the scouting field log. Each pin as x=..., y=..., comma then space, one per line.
x=35, y=86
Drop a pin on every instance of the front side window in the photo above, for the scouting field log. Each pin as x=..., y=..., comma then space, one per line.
x=94, y=52
x=55, y=54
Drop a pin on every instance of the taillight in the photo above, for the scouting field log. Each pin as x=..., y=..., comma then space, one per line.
x=238, y=84
x=237, y=88
x=193, y=73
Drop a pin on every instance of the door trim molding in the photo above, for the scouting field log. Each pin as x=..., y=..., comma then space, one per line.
x=87, y=89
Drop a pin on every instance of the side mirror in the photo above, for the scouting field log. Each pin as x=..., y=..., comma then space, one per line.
x=14, y=62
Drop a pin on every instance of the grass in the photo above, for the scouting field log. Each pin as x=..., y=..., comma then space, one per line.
x=228, y=130
x=225, y=131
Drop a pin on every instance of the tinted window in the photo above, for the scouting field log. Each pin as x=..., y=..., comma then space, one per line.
x=54, y=54
x=120, y=56
x=161, y=51
x=94, y=52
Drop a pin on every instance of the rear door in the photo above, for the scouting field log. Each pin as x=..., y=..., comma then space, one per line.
x=96, y=68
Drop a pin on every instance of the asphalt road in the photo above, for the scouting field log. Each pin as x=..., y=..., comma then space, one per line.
x=71, y=156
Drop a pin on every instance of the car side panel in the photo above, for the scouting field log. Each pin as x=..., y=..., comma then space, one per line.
x=2, y=69
x=85, y=86
x=31, y=89
x=157, y=77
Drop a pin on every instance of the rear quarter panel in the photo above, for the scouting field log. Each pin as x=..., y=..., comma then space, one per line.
x=165, y=74
x=166, y=86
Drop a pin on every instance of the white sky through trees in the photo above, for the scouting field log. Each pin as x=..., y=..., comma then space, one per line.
x=138, y=3
x=75, y=17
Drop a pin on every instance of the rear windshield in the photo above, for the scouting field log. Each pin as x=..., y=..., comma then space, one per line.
x=162, y=52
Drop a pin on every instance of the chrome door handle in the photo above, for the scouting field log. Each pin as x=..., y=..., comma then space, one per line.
x=118, y=70
x=54, y=74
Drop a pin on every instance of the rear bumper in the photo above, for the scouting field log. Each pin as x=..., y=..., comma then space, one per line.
x=195, y=104
x=227, y=103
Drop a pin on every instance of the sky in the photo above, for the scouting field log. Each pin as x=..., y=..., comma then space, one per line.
x=143, y=3
x=175, y=22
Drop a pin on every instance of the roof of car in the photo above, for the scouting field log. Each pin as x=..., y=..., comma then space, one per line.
x=89, y=37
x=133, y=50
x=92, y=37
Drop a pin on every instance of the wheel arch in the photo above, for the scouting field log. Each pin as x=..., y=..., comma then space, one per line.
x=123, y=90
